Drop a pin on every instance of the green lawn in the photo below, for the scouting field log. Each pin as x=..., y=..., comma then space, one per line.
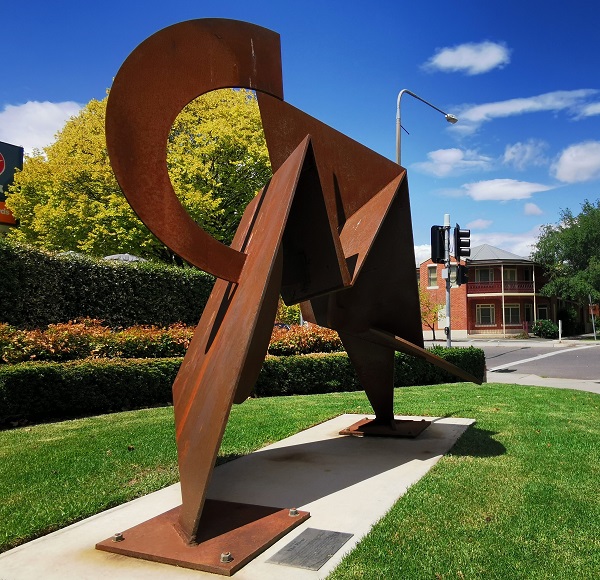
x=518, y=496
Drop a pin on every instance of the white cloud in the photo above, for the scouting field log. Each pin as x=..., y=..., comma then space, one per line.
x=577, y=163
x=443, y=162
x=422, y=253
x=470, y=58
x=479, y=224
x=471, y=117
x=34, y=124
x=532, y=209
x=522, y=155
x=521, y=244
x=589, y=110
x=503, y=189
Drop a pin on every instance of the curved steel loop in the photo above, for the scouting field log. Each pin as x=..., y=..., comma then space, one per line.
x=160, y=77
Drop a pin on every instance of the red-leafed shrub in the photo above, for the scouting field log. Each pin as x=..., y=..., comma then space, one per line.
x=304, y=340
x=90, y=338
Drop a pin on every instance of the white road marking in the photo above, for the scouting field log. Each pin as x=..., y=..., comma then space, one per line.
x=526, y=360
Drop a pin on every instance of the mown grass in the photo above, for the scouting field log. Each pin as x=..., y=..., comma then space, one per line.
x=516, y=498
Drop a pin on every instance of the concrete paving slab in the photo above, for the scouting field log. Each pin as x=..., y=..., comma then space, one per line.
x=516, y=378
x=347, y=484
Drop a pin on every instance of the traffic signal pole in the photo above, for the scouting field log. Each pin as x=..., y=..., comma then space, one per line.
x=447, y=276
x=440, y=254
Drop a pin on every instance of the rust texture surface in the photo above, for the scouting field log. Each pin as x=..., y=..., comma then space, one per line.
x=242, y=531
x=395, y=428
x=331, y=230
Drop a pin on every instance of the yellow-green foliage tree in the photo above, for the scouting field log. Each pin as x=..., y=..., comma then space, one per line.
x=67, y=197
x=429, y=310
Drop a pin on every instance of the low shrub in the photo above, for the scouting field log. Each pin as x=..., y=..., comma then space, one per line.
x=304, y=340
x=32, y=392
x=38, y=391
x=545, y=329
x=91, y=338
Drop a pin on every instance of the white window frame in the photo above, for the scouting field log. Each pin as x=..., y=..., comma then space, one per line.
x=508, y=314
x=544, y=307
x=509, y=273
x=479, y=308
x=431, y=268
x=490, y=272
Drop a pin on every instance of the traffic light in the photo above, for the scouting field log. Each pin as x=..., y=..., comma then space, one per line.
x=462, y=243
x=462, y=276
x=438, y=250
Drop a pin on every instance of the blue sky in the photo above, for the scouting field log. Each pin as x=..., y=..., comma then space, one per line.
x=522, y=77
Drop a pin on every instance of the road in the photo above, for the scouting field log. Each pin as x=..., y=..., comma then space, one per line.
x=581, y=361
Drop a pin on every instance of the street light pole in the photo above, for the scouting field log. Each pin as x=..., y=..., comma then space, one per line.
x=450, y=118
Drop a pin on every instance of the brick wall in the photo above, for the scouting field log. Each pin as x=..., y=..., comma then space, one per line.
x=458, y=296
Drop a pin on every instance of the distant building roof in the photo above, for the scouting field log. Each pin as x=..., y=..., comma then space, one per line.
x=124, y=258
x=487, y=253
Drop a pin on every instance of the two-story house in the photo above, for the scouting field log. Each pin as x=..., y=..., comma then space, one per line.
x=501, y=297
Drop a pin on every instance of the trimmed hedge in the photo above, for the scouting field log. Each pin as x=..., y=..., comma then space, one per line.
x=90, y=338
x=31, y=392
x=39, y=288
x=307, y=339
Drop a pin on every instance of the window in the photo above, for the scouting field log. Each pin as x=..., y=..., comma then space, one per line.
x=510, y=274
x=485, y=315
x=543, y=312
x=527, y=275
x=432, y=276
x=512, y=314
x=529, y=312
x=484, y=275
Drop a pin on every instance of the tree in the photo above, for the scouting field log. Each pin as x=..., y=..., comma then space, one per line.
x=569, y=252
x=67, y=197
x=217, y=148
x=429, y=310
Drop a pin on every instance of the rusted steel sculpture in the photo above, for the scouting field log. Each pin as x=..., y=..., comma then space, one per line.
x=331, y=230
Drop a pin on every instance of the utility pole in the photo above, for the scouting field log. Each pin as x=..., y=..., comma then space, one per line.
x=440, y=254
x=446, y=275
x=592, y=313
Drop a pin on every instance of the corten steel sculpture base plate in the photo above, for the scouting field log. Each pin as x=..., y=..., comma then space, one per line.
x=400, y=428
x=242, y=530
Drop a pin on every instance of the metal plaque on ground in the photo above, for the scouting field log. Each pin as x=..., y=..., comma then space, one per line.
x=311, y=549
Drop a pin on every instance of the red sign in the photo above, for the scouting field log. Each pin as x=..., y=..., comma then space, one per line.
x=2, y=164
x=6, y=216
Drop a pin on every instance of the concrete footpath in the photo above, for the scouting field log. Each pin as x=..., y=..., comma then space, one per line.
x=533, y=342
x=346, y=483
x=514, y=377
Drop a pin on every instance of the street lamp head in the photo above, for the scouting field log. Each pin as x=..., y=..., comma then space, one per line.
x=450, y=118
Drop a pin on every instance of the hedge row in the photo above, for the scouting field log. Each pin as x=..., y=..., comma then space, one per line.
x=90, y=338
x=39, y=288
x=31, y=392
